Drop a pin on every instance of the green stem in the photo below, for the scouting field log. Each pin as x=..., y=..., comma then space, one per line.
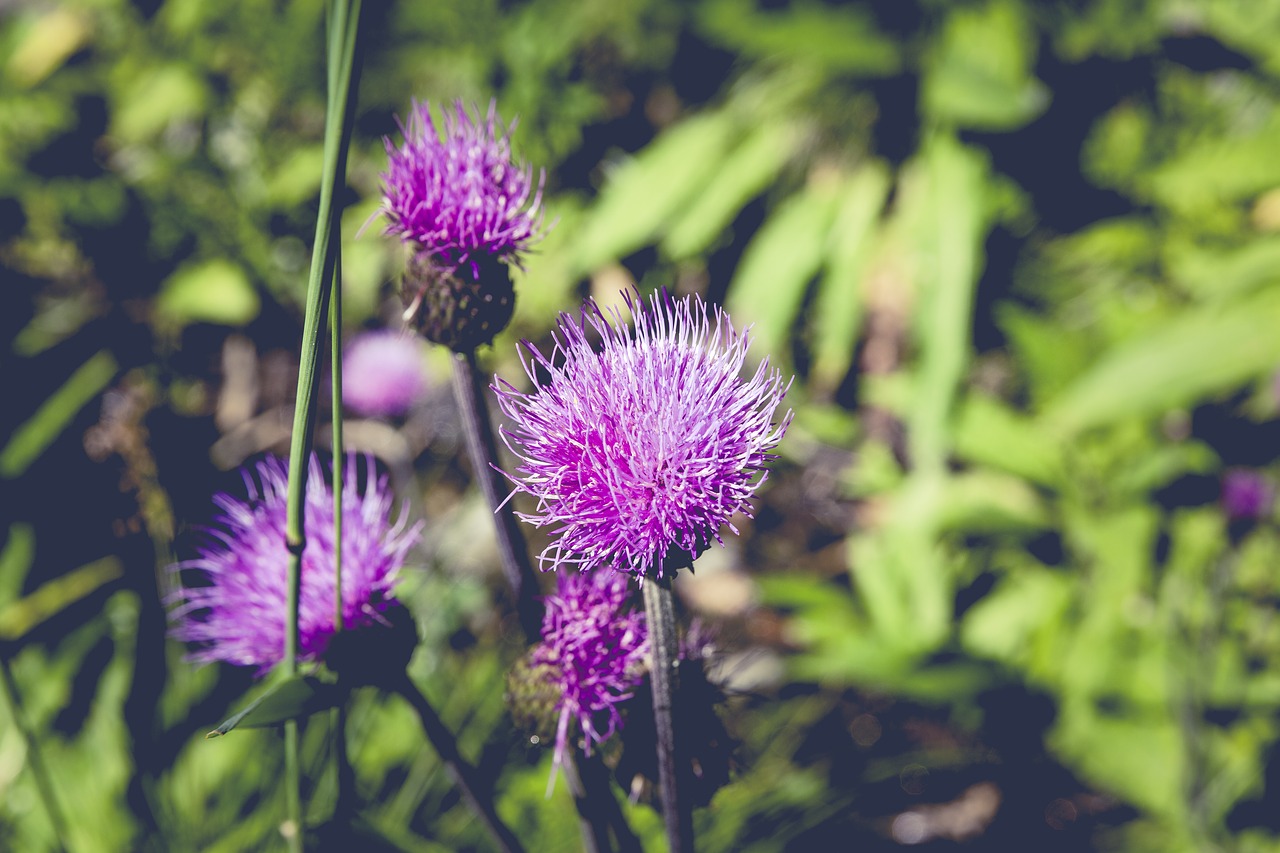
x=344, y=53
x=469, y=391
x=463, y=774
x=35, y=758
x=660, y=613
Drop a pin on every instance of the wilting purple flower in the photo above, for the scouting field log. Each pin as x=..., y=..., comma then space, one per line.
x=461, y=196
x=1246, y=494
x=593, y=649
x=383, y=374
x=639, y=454
x=238, y=615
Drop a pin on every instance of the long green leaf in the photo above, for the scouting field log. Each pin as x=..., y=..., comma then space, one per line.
x=294, y=698
x=34, y=437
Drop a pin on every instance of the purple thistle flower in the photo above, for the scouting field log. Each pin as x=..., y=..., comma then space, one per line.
x=594, y=648
x=239, y=615
x=460, y=197
x=1246, y=494
x=383, y=374
x=639, y=454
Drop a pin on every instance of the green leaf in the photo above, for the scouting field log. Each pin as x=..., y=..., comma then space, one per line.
x=1215, y=274
x=34, y=437
x=839, y=303
x=293, y=698
x=645, y=192
x=153, y=99
x=840, y=39
x=990, y=433
x=1199, y=353
x=50, y=42
x=776, y=266
x=980, y=76
x=743, y=173
x=215, y=291
x=988, y=502
x=1023, y=613
x=16, y=559
x=18, y=618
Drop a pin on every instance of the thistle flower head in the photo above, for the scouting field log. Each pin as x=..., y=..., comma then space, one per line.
x=238, y=613
x=593, y=649
x=383, y=374
x=459, y=197
x=1246, y=494
x=640, y=453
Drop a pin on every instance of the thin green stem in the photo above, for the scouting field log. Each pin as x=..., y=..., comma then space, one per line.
x=35, y=758
x=344, y=55
x=660, y=613
x=469, y=391
x=463, y=774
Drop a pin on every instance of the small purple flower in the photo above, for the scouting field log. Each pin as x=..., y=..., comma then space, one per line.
x=1246, y=494
x=238, y=614
x=460, y=197
x=383, y=374
x=594, y=647
x=639, y=454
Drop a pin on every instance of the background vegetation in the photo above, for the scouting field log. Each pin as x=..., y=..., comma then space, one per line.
x=1023, y=257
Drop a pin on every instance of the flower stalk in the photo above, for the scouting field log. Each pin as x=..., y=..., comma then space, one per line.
x=664, y=646
x=462, y=773
x=343, y=76
x=468, y=386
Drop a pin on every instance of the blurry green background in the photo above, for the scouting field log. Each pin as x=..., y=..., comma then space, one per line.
x=1023, y=258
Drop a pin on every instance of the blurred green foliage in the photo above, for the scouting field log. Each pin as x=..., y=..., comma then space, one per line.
x=1024, y=259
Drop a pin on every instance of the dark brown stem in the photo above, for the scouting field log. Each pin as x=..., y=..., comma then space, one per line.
x=462, y=773
x=468, y=389
x=659, y=607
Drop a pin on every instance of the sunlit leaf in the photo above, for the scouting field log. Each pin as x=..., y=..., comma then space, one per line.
x=37, y=433
x=839, y=303
x=646, y=191
x=1200, y=353
x=744, y=172
x=19, y=617
x=980, y=76
x=215, y=291
x=293, y=698
x=785, y=254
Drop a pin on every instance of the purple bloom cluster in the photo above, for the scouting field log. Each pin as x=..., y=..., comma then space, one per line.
x=639, y=454
x=595, y=646
x=383, y=374
x=459, y=197
x=238, y=615
x=1246, y=494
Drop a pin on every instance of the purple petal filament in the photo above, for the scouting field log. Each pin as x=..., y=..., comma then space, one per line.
x=238, y=615
x=459, y=195
x=596, y=645
x=383, y=374
x=646, y=449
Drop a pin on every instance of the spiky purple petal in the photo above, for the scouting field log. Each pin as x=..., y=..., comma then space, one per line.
x=459, y=195
x=238, y=614
x=595, y=644
x=383, y=373
x=645, y=450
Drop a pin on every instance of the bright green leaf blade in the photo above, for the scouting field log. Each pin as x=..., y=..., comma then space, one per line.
x=293, y=698
x=33, y=437
x=839, y=303
x=1186, y=359
x=648, y=190
x=981, y=76
x=784, y=255
x=842, y=39
x=743, y=174
x=18, y=618
x=215, y=291
x=16, y=559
